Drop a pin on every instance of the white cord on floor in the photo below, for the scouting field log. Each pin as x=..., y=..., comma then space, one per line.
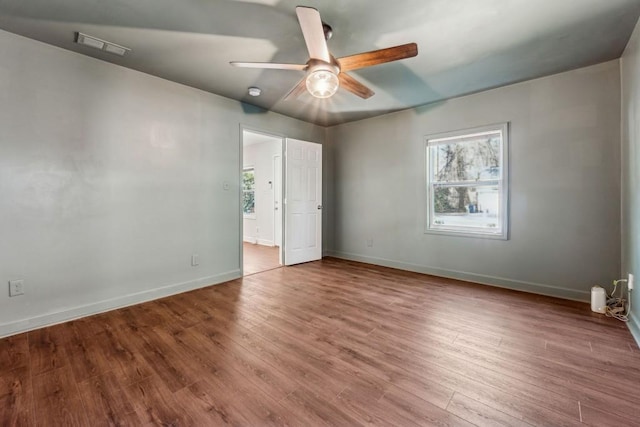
x=616, y=305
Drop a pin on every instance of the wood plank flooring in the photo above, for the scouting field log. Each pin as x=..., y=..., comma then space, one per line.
x=328, y=343
x=259, y=258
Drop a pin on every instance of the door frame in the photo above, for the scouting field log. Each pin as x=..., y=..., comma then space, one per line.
x=280, y=205
x=245, y=128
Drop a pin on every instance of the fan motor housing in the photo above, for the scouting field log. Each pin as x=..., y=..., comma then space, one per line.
x=317, y=64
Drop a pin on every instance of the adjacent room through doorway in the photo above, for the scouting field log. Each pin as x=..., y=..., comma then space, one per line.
x=261, y=201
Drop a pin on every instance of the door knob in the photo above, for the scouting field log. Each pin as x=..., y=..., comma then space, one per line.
x=319, y=207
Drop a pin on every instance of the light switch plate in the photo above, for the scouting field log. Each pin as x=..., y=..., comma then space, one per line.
x=16, y=287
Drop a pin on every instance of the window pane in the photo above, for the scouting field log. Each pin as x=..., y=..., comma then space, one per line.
x=248, y=202
x=476, y=207
x=248, y=179
x=248, y=191
x=467, y=159
x=467, y=182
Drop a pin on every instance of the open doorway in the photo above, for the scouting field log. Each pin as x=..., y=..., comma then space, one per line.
x=261, y=201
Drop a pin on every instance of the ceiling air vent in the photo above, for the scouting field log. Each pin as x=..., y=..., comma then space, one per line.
x=100, y=44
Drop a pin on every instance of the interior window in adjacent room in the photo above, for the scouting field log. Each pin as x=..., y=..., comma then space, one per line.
x=248, y=192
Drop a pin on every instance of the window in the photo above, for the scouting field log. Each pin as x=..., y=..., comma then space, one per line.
x=249, y=192
x=467, y=178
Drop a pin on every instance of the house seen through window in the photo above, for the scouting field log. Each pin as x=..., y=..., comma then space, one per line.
x=467, y=182
x=248, y=191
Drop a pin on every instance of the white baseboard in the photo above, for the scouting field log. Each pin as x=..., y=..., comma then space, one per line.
x=634, y=326
x=501, y=282
x=24, y=325
x=253, y=240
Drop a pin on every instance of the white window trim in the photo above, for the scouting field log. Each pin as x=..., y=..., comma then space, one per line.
x=503, y=181
x=250, y=215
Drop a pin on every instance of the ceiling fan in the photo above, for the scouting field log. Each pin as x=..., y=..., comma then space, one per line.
x=325, y=74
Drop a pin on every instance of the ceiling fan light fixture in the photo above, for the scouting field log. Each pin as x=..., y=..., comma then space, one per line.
x=322, y=83
x=325, y=73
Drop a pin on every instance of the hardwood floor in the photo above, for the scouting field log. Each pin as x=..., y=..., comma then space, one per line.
x=328, y=343
x=259, y=258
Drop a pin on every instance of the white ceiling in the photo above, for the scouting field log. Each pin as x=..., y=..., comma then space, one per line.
x=465, y=46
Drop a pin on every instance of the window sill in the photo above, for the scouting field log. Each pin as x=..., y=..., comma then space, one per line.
x=467, y=233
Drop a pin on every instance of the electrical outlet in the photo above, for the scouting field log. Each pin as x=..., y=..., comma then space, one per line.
x=195, y=260
x=16, y=287
x=369, y=243
x=630, y=281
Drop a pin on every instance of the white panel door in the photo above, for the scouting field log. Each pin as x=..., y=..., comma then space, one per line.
x=303, y=202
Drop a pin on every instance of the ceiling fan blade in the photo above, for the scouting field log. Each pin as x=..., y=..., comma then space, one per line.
x=269, y=65
x=297, y=90
x=352, y=85
x=375, y=57
x=311, y=26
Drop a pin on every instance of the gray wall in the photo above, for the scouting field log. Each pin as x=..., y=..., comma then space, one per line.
x=109, y=180
x=565, y=186
x=631, y=171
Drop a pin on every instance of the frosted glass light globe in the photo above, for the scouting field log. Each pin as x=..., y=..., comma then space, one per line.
x=322, y=83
